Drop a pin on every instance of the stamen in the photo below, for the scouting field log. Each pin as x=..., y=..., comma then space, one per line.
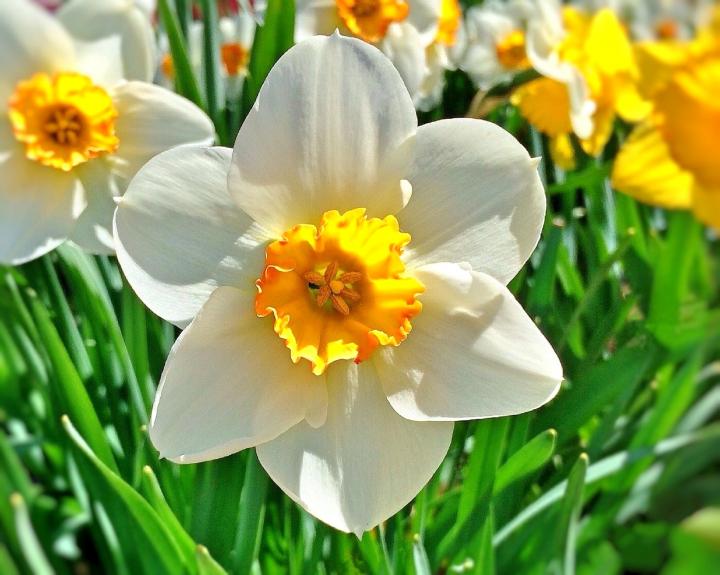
x=339, y=304
x=350, y=277
x=334, y=287
x=314, y=278
x=351, y=295
x=64, y=126
x=330, y=272
x=323, y=295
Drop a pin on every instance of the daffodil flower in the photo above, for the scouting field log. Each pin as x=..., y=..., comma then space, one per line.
x=494, y=43
x=590, y=77
x=671, y=159
x=420, y=37
x=340, y=276
x=77, y=120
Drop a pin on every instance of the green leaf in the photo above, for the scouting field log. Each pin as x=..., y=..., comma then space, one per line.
x=216, y=504
x=272, y=40
x=71, y=395
x=29, y=544
x=206, y=565
x=185, y=80
x=420, y=557
x=527, y=460
x=602, y=469
x=211, y=58
x=150, y=488
x=14, y=475
x=593, y=390
x=252, y=506
x=145, y=539
x=87, y=282
x=7, y=565
x=567, y=526
x=476, y=494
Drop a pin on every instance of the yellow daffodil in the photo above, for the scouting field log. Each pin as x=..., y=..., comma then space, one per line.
x=671, y=160
x=590, y=76
x=340, y=276
x=75, y=122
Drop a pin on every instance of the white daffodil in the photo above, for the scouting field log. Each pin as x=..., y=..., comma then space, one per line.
x=494, y=43
x=418, y=36
x=236, y=36
x=298, y=264
x=73, y=129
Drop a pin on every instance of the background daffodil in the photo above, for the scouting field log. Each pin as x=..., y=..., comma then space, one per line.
x=670, y=160
x=77, y=120
x=422, y=38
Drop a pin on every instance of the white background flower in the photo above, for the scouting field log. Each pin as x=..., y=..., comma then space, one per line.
x=111, y=42
x=486, y=26
x=410, y=44
x=334, y=128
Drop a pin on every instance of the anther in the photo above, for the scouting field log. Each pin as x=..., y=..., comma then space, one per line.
x=339, y=304
x=334, y=289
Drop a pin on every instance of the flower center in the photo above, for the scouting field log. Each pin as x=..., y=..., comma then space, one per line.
x=335, y=287
x=338, y=291
x=449, y=22
x=511, y=51
x=64, y=120
x=167, y=66
x=234, y=57
x=667, y=29
x=370, y=19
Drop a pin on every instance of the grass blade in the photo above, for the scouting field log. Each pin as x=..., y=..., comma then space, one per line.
x=185, y=80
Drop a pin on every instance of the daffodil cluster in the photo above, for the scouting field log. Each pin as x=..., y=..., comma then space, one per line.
x=651, y=65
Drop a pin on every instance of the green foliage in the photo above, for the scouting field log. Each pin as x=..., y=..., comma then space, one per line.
x=619, y=473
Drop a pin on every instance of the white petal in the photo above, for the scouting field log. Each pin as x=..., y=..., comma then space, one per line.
x=477, y=197
x=431, y=90
x=424, y=16
x=582, y=107
x=365, y=463
x=151, y=120
x=228, y=384
x=313, y=17
x=332, y=128
x=545, y=32
x=90, y=21
x=246, y=26
x=101, y=60
x=179, y=235
x=31, y=41
x=473, y=352
x=93, y=230
x=38, y=207
x=403, y=46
